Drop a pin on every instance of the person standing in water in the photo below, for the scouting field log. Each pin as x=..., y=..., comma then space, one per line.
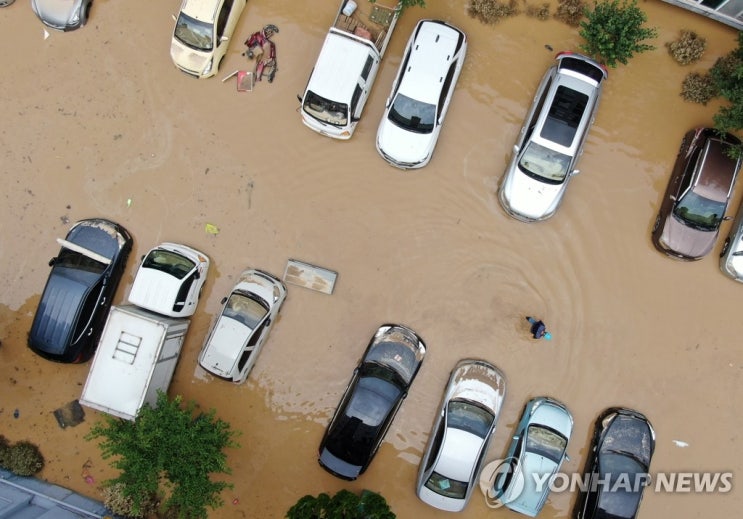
x=539, y=329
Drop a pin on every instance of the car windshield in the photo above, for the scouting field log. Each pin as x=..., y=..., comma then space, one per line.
x=169, y=262
x=621, y=490
x=542, y=163
x=355, y=433
x=412, y=115
x=446, y=487
x=469, y=417
x=194, y=33
x=699, y=212
x=71, y=259
x=545, y=442
x=325, y=110
x=248, y=310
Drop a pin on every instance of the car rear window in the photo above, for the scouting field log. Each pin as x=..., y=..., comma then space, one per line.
x=564, y=116
x=582, y=67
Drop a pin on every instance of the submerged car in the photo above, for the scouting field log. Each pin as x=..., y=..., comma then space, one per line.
x=169, y=280
x=617, y=466
x=238, y=334
x=202, y=35
x=62, y=15
x=377, y=388
x=536, y=453
x=697, y=195
x=461, y=433
x=551, y=140
x=421, y=94
x=78, y=293
x=731, y=255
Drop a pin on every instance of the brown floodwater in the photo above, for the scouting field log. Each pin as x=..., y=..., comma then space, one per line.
x=98, y=122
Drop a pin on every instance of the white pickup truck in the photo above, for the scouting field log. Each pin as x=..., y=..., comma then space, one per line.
x=345, y=70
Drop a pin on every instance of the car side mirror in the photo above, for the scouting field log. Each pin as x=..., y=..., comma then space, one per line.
x=268, y=322
x=387, y=103
x=515, y=148
x=52, y=261
x=224, y=300
x=196, y=275
x=726, y=218
x=575, y=172
x=299, y=98
x=355, y=119
x=174, y=18
x=673, y=197
x=224, y=38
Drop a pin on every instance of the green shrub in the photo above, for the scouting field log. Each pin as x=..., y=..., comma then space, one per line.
x=343, y=505
x=698, y=88
x=25, y=459
x=540, y=12
x=570, y=11
x=688, y=48
x=613, y=31
x=115, y=499
x=4, y=452
x=492, y=11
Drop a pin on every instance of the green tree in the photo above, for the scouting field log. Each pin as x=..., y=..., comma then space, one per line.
x=613, y=31
x=168, y=451
x=727, y=76
x=343, y=505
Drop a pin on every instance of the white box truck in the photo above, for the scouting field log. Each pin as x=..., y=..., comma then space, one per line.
x=345, y=70
x=136, y=356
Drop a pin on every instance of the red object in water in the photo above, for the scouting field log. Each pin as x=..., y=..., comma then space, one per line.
x=235, y=501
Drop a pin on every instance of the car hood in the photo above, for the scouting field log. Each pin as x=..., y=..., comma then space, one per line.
x=225, y=344
x=187, y=58
x=401, y=146
x=155, y=290
x=55, y=318
x=528, y=198
x=56, y=13
x=690, y=242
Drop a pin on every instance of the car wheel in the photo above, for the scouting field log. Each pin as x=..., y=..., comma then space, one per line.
x=725, y=247
x=657, y=223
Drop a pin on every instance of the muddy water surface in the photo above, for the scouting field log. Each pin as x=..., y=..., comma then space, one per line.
x=98, y=122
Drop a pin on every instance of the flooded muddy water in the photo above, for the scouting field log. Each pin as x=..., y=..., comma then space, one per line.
x=98, y=122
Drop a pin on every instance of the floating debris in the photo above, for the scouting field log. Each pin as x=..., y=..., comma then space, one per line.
x=681, y=444
x=212, y=229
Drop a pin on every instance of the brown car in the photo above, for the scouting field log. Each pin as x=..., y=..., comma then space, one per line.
x=697, y=195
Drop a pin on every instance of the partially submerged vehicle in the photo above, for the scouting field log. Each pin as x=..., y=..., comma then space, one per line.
x=343, y=76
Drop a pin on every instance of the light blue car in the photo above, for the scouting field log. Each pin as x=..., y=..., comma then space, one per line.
x=536, y=453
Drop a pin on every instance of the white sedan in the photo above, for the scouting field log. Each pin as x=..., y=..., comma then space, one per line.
x=421, y=94
x=460, y=436
x=238, y=334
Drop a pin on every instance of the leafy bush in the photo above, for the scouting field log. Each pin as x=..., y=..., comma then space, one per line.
x=25, y=459
x=120, y=504
x=492, y=11
x=570, y=12
x=166, y=445
x=343, y=505
x=4, y=452
x=698, y=88
x=613, y=31
x=688, y=48
x=540, y=12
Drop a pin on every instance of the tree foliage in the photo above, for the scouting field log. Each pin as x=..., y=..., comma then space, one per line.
x=343, y=505
x=168, y=451
x=727, y=75
x=613, y=31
